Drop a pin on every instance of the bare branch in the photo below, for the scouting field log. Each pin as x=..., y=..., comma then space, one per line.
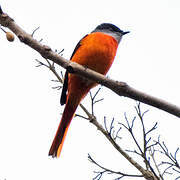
x=119, y=88
x=152, y=154
x=93, y=99
x=130, y=129
x=106, y=170
x=141, y=150
x=169, y=165
x=146, y=173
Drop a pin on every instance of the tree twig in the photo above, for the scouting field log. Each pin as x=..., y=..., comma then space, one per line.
x=111, y=171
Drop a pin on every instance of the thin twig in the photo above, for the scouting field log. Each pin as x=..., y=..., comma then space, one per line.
x=152, y=154
x=34, y=31
x=111, y=171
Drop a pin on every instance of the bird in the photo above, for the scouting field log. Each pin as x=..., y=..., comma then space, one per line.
x=95, y=51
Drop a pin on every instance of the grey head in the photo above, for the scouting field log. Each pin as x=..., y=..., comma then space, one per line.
x=112, y=30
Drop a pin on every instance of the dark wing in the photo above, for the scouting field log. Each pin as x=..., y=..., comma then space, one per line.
x=65, y=84
x=64, y=90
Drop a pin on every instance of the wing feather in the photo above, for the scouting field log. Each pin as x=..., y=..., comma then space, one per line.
x=65, y=84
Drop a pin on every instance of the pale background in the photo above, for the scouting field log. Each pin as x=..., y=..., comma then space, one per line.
x=147, y=59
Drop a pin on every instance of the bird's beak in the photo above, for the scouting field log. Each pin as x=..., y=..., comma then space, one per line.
x=125, y=33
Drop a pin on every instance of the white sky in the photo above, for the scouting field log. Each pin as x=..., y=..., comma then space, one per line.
x=147, y=59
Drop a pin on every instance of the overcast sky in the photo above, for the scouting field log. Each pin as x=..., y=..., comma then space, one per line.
x=147, y=59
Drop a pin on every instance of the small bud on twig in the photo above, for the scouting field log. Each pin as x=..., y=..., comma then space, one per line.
x=10, y=36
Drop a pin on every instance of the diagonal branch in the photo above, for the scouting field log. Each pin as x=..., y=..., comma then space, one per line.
x=146, y=174
x=120, y=88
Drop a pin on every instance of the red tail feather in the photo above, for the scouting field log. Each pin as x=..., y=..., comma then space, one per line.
x=58, y=141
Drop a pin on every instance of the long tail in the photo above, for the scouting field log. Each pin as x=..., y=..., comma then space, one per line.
x=58, y=141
